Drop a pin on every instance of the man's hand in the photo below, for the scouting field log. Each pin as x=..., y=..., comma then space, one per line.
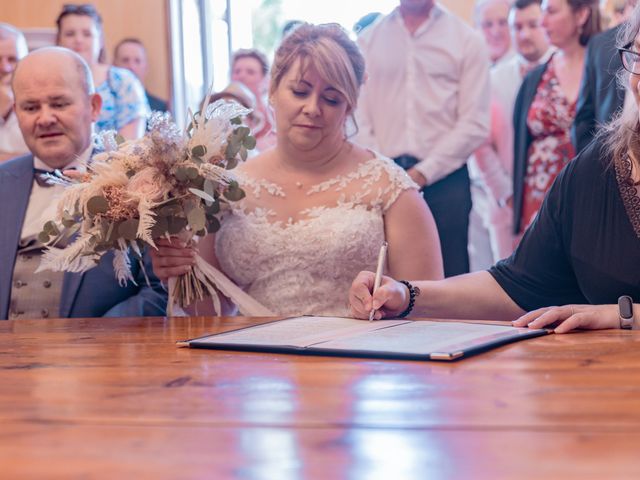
x=417, y=177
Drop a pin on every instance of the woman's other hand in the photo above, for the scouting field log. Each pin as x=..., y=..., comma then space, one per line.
x=172, y=258
x=570, y=317
x=390, y=299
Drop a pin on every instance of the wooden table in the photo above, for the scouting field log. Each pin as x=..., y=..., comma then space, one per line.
x=114, y=398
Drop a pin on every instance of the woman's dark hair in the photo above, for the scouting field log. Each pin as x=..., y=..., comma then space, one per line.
x=87, y=10
x=593, y=24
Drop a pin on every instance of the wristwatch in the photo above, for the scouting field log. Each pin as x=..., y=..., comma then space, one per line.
x=625, y=307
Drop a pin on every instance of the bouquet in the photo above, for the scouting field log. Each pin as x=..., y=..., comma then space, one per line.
x=168, y=183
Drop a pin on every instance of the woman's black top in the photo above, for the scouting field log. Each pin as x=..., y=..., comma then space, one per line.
x=584, y=245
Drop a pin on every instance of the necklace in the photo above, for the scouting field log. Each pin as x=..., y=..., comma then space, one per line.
x=300, y=184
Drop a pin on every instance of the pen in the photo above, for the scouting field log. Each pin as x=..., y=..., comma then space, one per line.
x=379, y=270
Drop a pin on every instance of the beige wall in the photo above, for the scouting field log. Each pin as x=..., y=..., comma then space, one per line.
x=145, y=19
x=463, y=8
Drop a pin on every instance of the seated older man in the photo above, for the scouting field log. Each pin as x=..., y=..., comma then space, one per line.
x=13, y=47
x=56, y=105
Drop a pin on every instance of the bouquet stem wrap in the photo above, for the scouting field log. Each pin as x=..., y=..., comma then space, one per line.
x=205, y=279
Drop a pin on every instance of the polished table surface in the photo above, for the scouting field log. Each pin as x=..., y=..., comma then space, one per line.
x=115, y=398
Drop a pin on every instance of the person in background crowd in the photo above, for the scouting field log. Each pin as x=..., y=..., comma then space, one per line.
x=601, y=96
x=317, y=206
x=13, y=47
x=546, y=106
x=124, y=104
x=251, y=67
x=56, y=106
x=578, y=257
x=490, y=16
x=494, y=159
x=131, y=54
x=426, y=104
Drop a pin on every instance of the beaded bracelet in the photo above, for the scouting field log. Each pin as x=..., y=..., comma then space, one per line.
x=413, y=293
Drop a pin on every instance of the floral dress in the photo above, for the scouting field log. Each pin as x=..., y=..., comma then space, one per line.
x=549, y=120
x=123, y=100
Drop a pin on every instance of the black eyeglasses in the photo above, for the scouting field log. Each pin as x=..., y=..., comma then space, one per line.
x=630, y=59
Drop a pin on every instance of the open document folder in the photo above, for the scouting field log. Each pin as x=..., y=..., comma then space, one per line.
x=347, y=337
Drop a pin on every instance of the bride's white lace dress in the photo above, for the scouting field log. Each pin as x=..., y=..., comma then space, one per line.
x=305, y=264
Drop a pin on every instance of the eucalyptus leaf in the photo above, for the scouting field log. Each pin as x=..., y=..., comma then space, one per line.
x=128, y=229
x=233, y=147
x=181, y=174
x=176, y=225
x=249, y=142
x=243, y=154
x=197, y=219
x=199, y=151
x=213, y=224
x=192, y=173
x=234, y=194
x=43, y=237
x=97, y=205
x=203, y=195
x=160, y=227
x=236, y=121
x=232, y=163
x=120, y=139
x=213, y=209
x=50, y=228
x=243, y=131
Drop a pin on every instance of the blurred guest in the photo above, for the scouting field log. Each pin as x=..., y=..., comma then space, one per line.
x=56, y=106
x=491, y=18
x=12, y=48
x=493, y=161
x=131, y=54
x=317, y=206
x=426, y=104
x=251, y=67
x=546, y=106
x=601, y=96
x=124, y=104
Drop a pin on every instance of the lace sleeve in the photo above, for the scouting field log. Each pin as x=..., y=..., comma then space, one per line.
x=397, y=181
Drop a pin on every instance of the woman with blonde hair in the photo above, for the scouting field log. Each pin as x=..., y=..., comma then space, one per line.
x=318, y=207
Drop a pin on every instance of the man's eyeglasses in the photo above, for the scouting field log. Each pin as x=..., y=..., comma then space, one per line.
x=630, y=59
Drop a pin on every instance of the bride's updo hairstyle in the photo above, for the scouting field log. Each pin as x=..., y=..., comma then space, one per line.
x=330, y=51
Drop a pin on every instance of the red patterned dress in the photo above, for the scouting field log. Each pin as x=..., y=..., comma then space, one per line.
x=549, y=120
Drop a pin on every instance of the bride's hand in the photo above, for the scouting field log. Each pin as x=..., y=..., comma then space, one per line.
x=172, y=258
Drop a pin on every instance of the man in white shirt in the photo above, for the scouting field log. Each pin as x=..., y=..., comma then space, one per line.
x=13, y=47
x=56, y=106
x=425, y=104
x=493, y=163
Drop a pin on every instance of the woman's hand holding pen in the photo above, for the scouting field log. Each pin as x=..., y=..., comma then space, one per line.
x=390, y=299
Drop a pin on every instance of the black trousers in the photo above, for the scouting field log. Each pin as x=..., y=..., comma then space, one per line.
x=450, y=202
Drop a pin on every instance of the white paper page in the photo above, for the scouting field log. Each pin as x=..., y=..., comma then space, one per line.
x=301, y=331
x=424, y=337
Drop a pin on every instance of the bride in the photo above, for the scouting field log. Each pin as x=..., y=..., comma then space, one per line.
x=317, y=207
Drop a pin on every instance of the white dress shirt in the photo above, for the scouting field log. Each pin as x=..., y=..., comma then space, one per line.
x=11, y=140
x=426, y=94
x=43, y=201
